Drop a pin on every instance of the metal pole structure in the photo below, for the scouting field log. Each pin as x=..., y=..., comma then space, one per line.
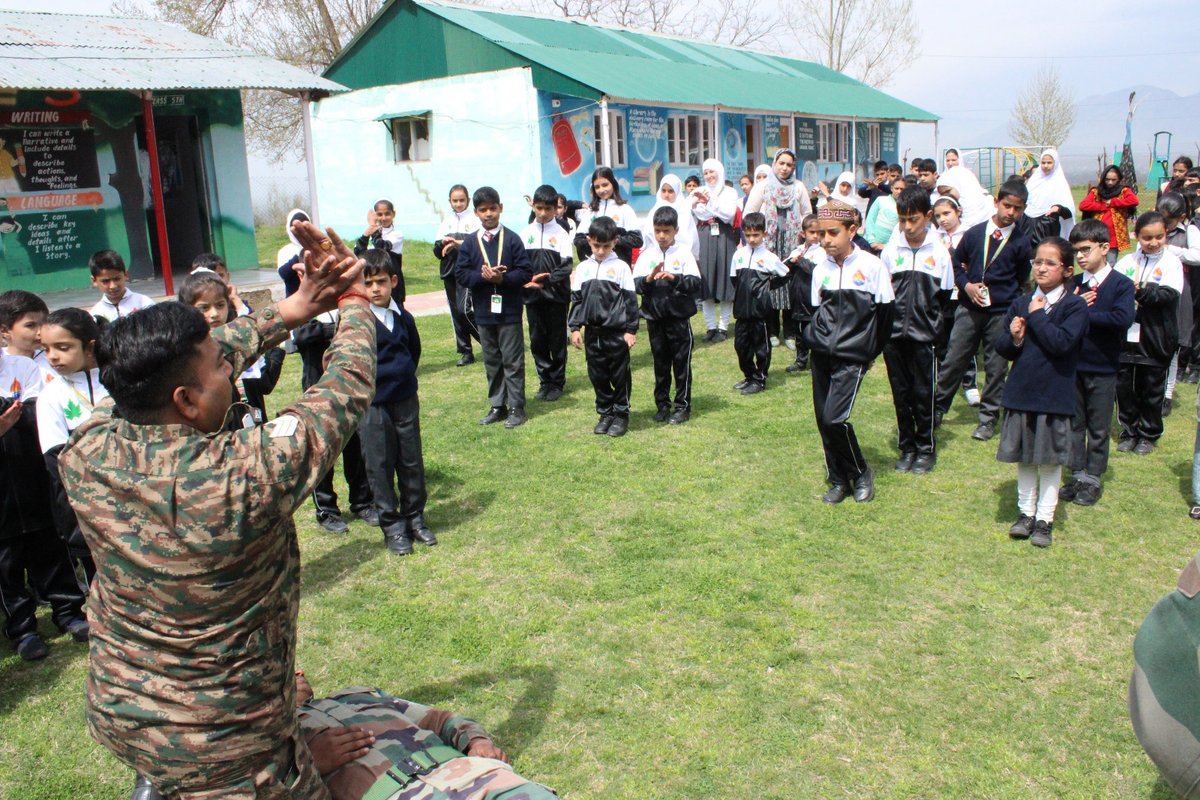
x=604, y=158
x=716, y=136
x=309, y=158
x=160, y=214
x=854, y=146
x=936, y=150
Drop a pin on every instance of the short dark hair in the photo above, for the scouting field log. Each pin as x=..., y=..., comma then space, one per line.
x=485, y=196
x=209, y=261
x=1146, y=219
x=913, y=200
x=1173, y=205
x=754, y=221
x=79, y=323
x=102, y=260
x=928, y=165
x=879, y=165
x=1090, y=230
x=377, y=262
x=665, y=216
x=1016, y=189
x=1193, y=173
x=145, y=357
x=546, y=194
x=895, y=168
x=808, y=220
x=16, y=303
x=1066, y=253
x=198, y=283
x=603, y=230
x=693, y=178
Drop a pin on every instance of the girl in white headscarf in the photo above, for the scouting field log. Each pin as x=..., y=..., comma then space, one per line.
x=715, y=207
x=976, y=203
x=670, y=193
x=1050, y=198
x=842, y=191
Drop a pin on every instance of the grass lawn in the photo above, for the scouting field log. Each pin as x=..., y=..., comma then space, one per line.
x=676, y=614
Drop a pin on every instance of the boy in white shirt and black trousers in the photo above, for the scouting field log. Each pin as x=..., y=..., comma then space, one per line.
x=852, y=302
x=668, y=279
x=755, y=271
x=548, y=293
x=604, y=301
x=922, y=280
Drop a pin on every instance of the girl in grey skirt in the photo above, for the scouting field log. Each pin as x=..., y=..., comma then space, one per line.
x=1042, y=337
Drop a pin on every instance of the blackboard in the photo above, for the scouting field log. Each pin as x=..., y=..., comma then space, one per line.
x=56, y=158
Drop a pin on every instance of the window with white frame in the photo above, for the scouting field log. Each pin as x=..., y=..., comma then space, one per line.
x=689, y=139
x=410, y=138
x=616, y=137
x=832, y=141
x=873, y=148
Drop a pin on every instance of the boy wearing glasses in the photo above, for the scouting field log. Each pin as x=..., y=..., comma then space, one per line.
x=1109, y=296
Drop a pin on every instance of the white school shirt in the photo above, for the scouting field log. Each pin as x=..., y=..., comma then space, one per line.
x=678, y=260
x=384, y=315
x=860, y=271
x=1162, y=267
x=65, y=404
x=1096, y=278
x=620, y=213
x=759, y=259
x=131, y=302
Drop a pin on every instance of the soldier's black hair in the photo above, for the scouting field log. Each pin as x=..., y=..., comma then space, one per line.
x=913, y=200
x=666, y=217
x=103, y=260
x=602, y=230
x=16, y=303
x=145, y=357
x=79, y=323
x=485, y=196
x=377, y=262
x=754, y=221
x=1090, y=230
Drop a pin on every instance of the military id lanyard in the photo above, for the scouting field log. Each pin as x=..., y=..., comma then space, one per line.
x=497, y=299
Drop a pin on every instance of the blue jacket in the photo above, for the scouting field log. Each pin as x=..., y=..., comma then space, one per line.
x=468, y=273
x=399, y=352
x=1007, y=270
x=1109, y=319
x=1042, y=378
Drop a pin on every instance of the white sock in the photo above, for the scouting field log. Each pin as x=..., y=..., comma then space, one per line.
x=726, y=313
x=710, y=314
x=1027, y=489
x=1049, y=477
x=1172, y=374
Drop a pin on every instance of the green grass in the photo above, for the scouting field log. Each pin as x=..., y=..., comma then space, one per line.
x=420, y=266
x=676, y=614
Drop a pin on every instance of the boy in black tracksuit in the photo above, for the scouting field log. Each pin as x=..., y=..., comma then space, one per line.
x=755, y=271
x=548, y=293
x=668, y=279
x=922, y=280
x=494, y=268
x=852, y=297
x=1111, y=310
x=991, y=268
x=604, y=301
x=801, y=262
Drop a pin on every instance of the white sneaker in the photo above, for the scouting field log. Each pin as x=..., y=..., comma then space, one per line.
x=774, y=341
x=790, y=344
x=973, y=397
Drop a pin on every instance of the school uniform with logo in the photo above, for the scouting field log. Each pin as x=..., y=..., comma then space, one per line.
x=754, y=272
x=604, y=304
x=131, y=302
x=922, y=280
x=1150, y=343
x=851, y=321
x=668, y=305
x=549, y=249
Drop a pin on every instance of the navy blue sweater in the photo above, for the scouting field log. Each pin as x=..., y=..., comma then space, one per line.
x=1042, y=378
x=468, y=273
x=1007, y=270
x=1109, y=319
x=399, y=351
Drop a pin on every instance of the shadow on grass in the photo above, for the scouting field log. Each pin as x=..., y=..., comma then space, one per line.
x=454, y=506
x=1184, y=473
x=20, y=679
x=527, y=716
x=1006, y=500
x=1163, y=791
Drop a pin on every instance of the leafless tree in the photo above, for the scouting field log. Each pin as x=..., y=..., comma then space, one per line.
x=1045, y=112
x=862, y=38
x=708, y=20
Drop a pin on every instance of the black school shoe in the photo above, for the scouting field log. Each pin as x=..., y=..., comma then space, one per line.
x=864, y=487
x=1144, y=447
x=467, y=358
x=721, y=336
x=1022, y=528
x=497, y=414
x=553, y=393
x=679, y=417
x=1069, y=490
x=602, y=426
x=710, y=335
x=905, y=462
x=1042, y=533
x=924, y=464
x=32, y=648
x=984, y=431
x=620, y=424
x=836, y=494
x=398, y=541
x=420, y=531
x=742, y=384
x=332, y=523
x=516, y=418
x=753, y=387
x=1126, y=445
x=663, y=414
x=1087, y=495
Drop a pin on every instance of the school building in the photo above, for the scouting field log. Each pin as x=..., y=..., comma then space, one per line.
x=124, y=134
x=444, y=94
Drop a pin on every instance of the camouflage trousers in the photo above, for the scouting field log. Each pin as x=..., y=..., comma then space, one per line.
x=469, y=778
x=287, y=773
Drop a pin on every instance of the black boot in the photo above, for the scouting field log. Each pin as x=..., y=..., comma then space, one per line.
x=398, y=540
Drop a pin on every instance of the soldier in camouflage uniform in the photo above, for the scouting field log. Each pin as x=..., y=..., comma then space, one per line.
x=416, y=752
x=1164, y=692
x=193, y=610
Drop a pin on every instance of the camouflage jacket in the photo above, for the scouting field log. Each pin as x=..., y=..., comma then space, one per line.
x=193, y=610
x=408, y=737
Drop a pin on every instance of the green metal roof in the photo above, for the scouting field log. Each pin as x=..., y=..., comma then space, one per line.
x=576, y=57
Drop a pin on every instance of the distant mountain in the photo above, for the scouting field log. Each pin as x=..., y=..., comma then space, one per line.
x=1100, y=126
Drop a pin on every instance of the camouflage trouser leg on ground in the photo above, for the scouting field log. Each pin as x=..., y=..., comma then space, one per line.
x=288, y=774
